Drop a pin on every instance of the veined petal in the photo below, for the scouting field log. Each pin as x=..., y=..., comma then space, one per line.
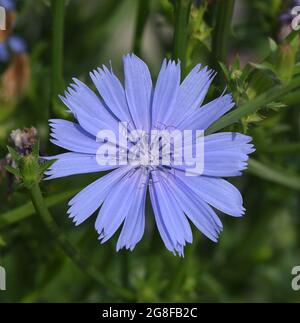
x=225, y=154
x=171, y=221
x=73, y=163
x=191, y=93
x=118, y=204
x=134, y=224
x=138, y=89
x=202, y=118
x=88, y=109
x=72, y=136
x=165, y=94
x=229, y=141
x=162, y=228
x=112, y=92
x=224, y=164
x=215, y=191
x=198, y=211
x=87, y=201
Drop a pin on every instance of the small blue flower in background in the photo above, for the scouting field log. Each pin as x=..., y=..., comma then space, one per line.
x=17, y=44
x=4, y=52
x=176, y=199
x=8, y=4
x=13, y=45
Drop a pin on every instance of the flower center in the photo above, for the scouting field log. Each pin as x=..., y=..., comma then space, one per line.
x=148, y=151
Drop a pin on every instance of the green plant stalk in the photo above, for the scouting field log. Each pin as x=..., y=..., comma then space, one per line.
x=26, y=210
x=273, y=94
x=141, y=20
x=282, y=148
x=182, y=13
x=57, y=82
x=59, y=237
x=257, y=168
x=220, y=34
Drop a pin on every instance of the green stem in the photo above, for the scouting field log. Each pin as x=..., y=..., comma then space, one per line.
x=182, y=13
x=275, y=93
x=273, y=175
x=141, y=20
x=220, y=34
x=57, y=82
x=26, y=210
x=59, y=237
x=282, y=148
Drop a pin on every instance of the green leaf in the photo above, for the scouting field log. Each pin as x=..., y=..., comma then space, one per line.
x=13, y=170
x=286, y=59
x=45, y=165
x=225, y=71
x=36, y=149
x=276, y=106
x=14, y=154
x=273, y=45
x=266, y=66
x=260, y=82
x=254, y=117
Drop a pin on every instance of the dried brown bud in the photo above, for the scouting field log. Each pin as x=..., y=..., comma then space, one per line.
x=24, y=139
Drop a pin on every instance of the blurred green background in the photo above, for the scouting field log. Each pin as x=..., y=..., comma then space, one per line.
x=255, y=51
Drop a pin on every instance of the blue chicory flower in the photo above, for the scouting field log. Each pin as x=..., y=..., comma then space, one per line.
x=176, y=198
x=8, y=4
